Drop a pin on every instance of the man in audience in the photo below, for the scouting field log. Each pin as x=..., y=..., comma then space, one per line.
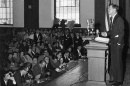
x=55, y=23
x=19, y=74
x=49, y=67
x=39, y=70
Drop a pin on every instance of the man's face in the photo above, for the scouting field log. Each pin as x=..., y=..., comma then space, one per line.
x=10, y=56
x=47, y=60
x=43, y=64
x=111, y=10
x=46, y=53
x=35, y=60
x=15, y=55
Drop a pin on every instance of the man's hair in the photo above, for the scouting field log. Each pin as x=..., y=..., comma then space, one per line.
x=25, y=66
x=115, y=6
x=42, y=61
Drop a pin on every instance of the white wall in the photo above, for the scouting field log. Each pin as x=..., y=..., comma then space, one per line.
x=86, y=11
x=18, y=11
x=46, y=13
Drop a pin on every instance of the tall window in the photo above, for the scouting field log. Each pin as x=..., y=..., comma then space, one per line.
x=6, y=11
x=68, y=9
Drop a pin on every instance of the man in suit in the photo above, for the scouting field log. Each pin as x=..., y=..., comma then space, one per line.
x=39, y=71
x=37, y=36
x=66, y=40
x=77, y=41
x=20, y=74
x=49, y=69
x=116, y=34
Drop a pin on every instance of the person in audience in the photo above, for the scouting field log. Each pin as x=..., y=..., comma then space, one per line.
x=71, y=51
x=71, y=39
x=59, y=60
x=49, y=69
x=66, y=57
x=34, y=62
x=80, y=53
x=39, y=70
x=37, y=48
x=16, y=59
x=62, y=23
x=55, y=23
x=66, y=40
x=29, y=55
x=23, y=57
x=8, y=79
x=24, y=47
x=77, y=41
x=37, y=36
x=10, y=58
x=19, y=75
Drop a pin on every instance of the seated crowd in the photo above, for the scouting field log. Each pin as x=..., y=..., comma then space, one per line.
x=39, y=54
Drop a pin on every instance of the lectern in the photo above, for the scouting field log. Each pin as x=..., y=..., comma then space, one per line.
x=96, y=53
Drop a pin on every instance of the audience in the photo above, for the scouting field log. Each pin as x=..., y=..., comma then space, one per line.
x=49, y=50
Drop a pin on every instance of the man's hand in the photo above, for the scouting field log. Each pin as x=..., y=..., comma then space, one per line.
x=48, y=73
x=118, y=44
x=104, y=34
x=117, y=36
x=38, y=77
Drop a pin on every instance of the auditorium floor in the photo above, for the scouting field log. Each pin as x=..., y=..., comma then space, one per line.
x=78, y=75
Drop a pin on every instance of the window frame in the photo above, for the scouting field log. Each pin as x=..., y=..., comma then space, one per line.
x=75, y=25
x=10, y=7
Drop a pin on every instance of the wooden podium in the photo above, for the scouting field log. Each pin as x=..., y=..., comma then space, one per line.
x=97, y=63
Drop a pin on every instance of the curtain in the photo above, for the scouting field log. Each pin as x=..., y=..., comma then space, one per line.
x=127, y=17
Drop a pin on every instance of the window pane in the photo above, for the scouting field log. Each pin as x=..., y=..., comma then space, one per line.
x=67, y=9
x=6, y=11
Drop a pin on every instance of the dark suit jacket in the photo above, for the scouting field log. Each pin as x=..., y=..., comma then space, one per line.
x=66, y=41
x=37, y=70
x=36, y=38
x=18, y=78
x=65, y=60
x=49, y=67
x=117, y=29
x=77, y=42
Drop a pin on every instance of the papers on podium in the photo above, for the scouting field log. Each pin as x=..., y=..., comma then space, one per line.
x=98, y=43
x=101, y=39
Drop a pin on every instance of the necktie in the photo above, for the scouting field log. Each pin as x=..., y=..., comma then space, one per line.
x=110, y=23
